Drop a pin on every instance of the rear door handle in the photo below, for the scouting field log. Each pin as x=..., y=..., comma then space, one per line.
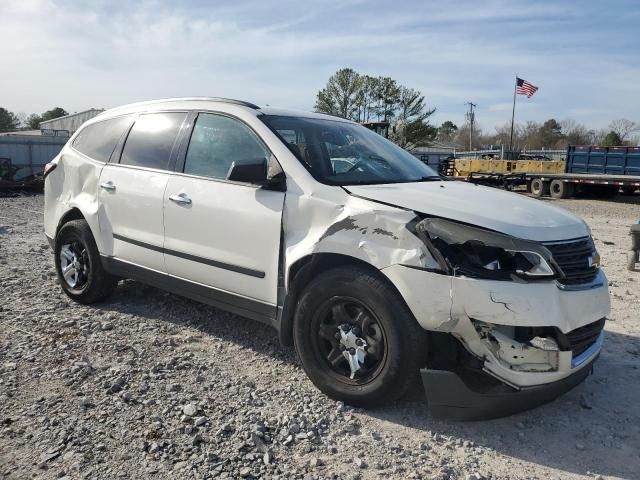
x=181, y=198
x=108, y=185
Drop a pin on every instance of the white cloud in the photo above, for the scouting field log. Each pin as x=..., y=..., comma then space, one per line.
x=80, y=55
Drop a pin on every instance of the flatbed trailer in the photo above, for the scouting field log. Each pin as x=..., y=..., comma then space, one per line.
x=565, y=185
x=591, y=170
x=558, y=185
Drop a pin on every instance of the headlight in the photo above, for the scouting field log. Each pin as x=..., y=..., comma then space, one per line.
x=472, y=251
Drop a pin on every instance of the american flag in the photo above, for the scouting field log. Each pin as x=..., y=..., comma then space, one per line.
x=525, y=88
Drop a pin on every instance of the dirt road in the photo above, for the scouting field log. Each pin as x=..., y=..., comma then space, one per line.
x=152, y=385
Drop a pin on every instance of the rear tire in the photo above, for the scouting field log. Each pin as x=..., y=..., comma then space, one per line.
x=395, y=345
x=560, y=189
x=539, y=188
x=529, y=186
x=78, y=264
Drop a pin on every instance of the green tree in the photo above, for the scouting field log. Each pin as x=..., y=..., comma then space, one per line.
x=410, y=104
x=447, y=131
x=53, y=113
x=364, y=98
x=612, y=139
x=33, y=121
x=8, y=120
x=340, y=94
x=388, y=96
x=411, y=128
x=549, y=134
x=417, y=133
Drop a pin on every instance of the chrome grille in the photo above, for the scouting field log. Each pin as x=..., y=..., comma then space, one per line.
x=574, y=257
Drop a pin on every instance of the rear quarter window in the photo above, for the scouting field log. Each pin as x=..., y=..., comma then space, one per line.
x=98, y=140
x=152, y=139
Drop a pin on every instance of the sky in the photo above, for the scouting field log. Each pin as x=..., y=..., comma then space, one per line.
x=583, y=55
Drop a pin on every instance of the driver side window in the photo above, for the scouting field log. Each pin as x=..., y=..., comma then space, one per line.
x=216, y=142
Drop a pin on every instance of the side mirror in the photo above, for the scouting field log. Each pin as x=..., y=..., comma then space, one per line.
x=250, y=171
x=258, y=171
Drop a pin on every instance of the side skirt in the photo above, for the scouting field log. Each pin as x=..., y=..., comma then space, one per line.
x=230, y=302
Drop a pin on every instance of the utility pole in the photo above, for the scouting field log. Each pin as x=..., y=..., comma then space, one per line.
x=471, y=117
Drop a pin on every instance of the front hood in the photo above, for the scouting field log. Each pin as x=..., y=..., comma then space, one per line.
x=486, y=207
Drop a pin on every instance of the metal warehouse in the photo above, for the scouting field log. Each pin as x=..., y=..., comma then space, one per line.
x=68, y=124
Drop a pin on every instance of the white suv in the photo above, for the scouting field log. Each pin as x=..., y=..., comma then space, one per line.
x=361, y=256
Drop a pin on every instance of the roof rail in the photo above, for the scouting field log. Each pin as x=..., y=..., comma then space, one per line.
x=213, y=99
x=181, y=99
x=234, y=101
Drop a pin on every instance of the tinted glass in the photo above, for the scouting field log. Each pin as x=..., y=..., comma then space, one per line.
x=99, y=139
x=217, y=142
x=152, y=139
x=344, y=153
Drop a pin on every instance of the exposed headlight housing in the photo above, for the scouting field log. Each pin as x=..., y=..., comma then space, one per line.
x=471, y=251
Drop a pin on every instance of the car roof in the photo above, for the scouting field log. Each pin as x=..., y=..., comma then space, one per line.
x=205, y=103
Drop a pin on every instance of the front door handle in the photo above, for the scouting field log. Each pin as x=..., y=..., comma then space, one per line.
x=108, y=186
x=181, y=198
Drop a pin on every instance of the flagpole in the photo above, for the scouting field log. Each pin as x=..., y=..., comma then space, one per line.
x=513, y=114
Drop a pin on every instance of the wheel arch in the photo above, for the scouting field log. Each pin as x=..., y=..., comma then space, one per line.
x=301, y=272
x=73, y=213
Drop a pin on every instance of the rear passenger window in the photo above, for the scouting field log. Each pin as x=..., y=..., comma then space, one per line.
x=152, y=139
x=98, y=140
x=218, y=141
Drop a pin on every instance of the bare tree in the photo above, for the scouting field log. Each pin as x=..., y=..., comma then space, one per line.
x=575, y=134
x=479, y=139
x=623, y=127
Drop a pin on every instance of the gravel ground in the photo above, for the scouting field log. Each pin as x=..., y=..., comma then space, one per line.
x=153, y=385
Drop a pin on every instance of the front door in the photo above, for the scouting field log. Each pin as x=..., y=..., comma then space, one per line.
x=222, y=234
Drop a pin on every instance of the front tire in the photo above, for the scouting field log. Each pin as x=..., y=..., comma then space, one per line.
x=78, y=264
x=356, y=338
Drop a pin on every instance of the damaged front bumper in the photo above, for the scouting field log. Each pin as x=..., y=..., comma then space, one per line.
x=522, y=344
x=457, y=396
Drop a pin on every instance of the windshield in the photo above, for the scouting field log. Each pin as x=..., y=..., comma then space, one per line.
x=340, y=153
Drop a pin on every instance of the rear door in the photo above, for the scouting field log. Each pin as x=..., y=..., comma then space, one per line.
x=132, y=190
x=218, y=233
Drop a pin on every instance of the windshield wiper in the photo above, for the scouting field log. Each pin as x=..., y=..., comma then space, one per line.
x=387, y=181
x=430, y=178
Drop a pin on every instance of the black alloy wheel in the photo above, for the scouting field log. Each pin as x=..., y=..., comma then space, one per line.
x=350, y=339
